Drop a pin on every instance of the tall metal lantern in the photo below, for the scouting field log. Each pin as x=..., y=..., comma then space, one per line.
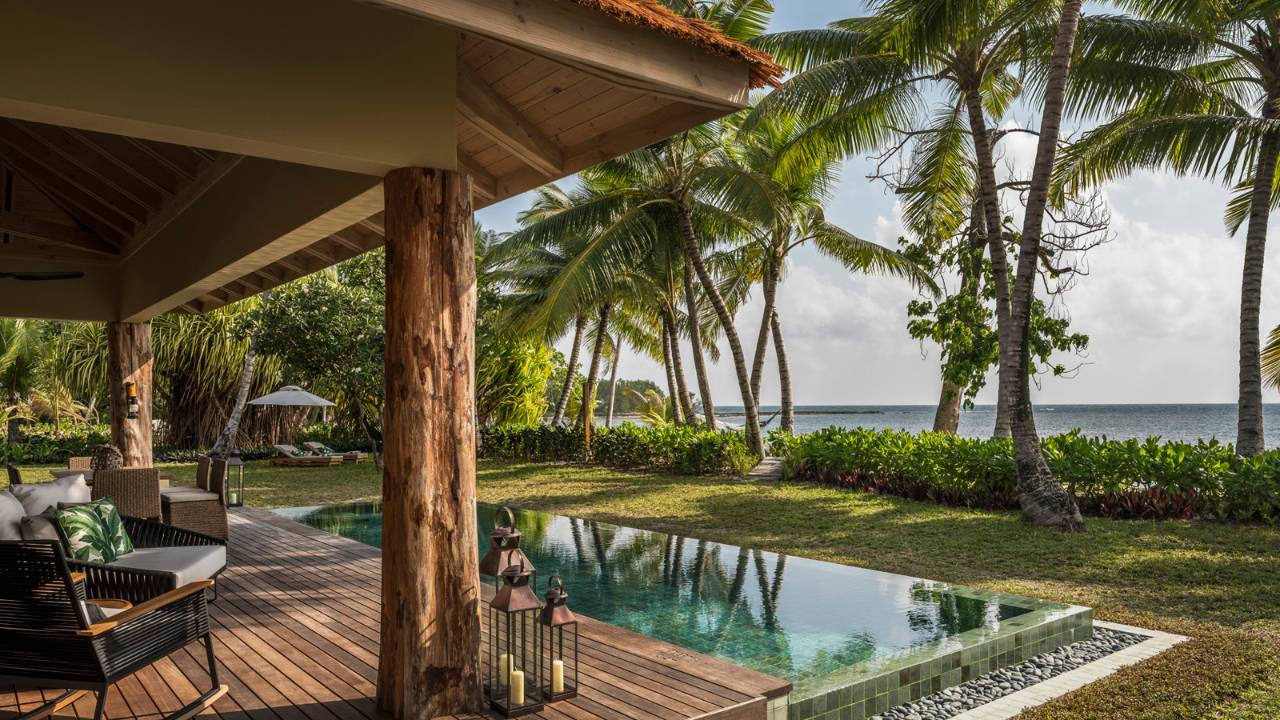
x=515, y=667
x=504, y=547
x=235, y=480
x=560, y=654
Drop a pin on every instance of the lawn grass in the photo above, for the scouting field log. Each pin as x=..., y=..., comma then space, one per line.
x=1218, y=583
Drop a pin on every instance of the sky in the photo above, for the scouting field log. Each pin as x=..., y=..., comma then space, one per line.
x=1160, y=302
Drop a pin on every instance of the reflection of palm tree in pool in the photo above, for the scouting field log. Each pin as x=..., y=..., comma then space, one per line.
x=941, y=613
x=699, y=569
x=770, y=590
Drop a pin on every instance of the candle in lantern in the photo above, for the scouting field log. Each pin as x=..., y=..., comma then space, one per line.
x=517, y=688
x=557, y=676
x=504, y=667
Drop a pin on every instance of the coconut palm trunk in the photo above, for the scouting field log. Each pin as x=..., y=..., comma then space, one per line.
x=566, y=389
x=593, y=376
x=752, y=425
x=677, y=367
x=613, y=380
x=784, y=375
x=990, y=199
x=676, y=417
x=227, y=440
x=1043, y=500
x=695, y=346
x=1249, y=439
x=769, y=288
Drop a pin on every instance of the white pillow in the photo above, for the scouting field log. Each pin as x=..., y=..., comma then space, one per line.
x=11, y=514
x=38, y=497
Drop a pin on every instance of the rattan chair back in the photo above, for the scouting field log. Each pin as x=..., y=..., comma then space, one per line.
x=134, y=491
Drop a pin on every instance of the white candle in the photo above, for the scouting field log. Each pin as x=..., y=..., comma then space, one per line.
x=504, y=667
x=517, y=688
x=557, y=676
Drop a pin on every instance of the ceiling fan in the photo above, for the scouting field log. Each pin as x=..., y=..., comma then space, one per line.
x=38, y=276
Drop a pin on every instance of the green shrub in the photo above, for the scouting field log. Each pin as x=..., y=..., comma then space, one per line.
x=41, y=444
x=1120, y=479
x=680, y=449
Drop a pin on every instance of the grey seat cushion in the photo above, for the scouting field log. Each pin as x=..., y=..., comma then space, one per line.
x=186, y=563
x=186, y=494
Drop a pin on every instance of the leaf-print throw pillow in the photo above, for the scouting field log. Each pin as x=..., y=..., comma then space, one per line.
x=113, y=526
x=86, y=536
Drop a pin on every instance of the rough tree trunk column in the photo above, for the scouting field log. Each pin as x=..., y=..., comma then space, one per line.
x=129, y=360
x=429, y=664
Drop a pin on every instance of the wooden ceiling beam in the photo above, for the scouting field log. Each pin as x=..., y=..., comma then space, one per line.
x=186, y=195
x=22, y=139
x=94, y=161
x=490, y=113
x=55, y=233
x=482, y=183
x=106, y=221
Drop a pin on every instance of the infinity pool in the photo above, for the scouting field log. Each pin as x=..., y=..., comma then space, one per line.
x=820, y=625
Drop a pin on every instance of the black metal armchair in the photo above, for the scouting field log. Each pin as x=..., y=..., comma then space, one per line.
x=138, y=584
x=51, y=637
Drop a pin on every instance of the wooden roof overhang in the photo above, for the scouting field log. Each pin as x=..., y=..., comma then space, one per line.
x=187, y=155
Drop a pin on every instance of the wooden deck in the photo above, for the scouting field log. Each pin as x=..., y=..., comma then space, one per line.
x=297, y=639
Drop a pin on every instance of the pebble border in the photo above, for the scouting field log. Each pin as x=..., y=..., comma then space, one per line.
x=1006, y=692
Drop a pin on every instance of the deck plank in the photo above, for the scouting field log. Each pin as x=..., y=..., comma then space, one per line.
x=296, y=628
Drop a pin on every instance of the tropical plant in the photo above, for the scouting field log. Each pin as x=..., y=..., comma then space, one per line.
x=797, y=195
x=862, y=82
x=21, y=351
x=1043, y=500
x=650, y=406
x=1197, y=87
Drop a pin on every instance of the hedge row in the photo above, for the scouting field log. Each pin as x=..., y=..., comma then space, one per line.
x=679, y=449
x=1120, y=479
x=43, y=445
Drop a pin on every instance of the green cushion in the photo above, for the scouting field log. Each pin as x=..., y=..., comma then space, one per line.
x=113, y=524
x=324, y=449
x=300, y=453
x=88, y=539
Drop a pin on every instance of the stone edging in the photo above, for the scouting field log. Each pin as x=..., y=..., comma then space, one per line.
x=1010, y=705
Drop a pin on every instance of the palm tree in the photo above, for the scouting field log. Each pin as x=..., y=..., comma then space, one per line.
x=799, y=194
x=861, y=81
x=626, y=207
x=1199, y=84
x=1042, y=499
x=21, y=351
x=528, y=275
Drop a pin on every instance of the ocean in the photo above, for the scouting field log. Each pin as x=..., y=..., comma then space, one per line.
x=1187, y=423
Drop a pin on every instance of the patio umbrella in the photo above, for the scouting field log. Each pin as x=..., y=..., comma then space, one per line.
x=292, y=395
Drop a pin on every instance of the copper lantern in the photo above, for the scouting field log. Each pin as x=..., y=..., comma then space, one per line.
x=504, y=547
x=515, y=667
x=560, y=633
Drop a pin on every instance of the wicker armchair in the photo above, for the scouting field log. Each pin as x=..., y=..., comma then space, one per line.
x=202, y=508
x=136, y=584
x=15, y=475
x=80, y=463
x=50, y=637
x=135, y=491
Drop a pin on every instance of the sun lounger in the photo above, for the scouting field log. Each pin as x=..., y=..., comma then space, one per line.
x=355, y=456
x=290, y=455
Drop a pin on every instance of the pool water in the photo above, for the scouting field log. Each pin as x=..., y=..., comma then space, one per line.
x=813, y=623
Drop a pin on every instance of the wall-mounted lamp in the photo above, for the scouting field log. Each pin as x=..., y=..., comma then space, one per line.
x=131, y=395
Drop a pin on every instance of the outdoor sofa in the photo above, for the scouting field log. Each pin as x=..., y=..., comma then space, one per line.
x=164, y=558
